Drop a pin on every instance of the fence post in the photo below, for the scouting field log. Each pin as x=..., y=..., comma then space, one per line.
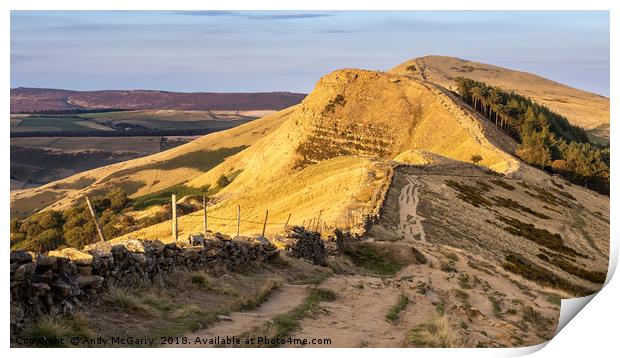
x=204, y=214
x=318, y=221
x=175, y=226
x=238, y=218
x=265, y=223
x=94, y=215
x=289, y=218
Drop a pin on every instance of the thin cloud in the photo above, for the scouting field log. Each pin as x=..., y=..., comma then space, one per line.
x=255, y=16
x=334, y=31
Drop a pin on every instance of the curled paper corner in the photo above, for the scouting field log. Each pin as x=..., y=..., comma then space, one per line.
x=570, y=307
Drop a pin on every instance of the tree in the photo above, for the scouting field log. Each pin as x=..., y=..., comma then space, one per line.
x=223, y=181
x=118, y=200
x=476, y=158
x=546, y=139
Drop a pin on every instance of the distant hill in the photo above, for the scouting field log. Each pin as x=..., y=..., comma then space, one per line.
x=42, y=99
x=584, y=109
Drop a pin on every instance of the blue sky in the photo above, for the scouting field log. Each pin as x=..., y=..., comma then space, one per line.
x=233, y=51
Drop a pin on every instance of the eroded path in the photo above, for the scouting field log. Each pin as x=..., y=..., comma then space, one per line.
x=357, y=317
x=281, y=301
x=410, y=225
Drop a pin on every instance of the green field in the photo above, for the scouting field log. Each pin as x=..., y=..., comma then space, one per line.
x=123, y=120
x=51, y=123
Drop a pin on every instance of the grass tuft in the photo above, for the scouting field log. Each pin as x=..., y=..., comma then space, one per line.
x=47, y=329
x=125, y=301
x=368, y=257
x=395, y=310
x=433, y=334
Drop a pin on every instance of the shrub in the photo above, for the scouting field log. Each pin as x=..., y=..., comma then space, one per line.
x=223, y=181
x=475, y=159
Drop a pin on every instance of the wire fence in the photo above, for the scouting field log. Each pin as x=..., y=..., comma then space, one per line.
x=256, y=224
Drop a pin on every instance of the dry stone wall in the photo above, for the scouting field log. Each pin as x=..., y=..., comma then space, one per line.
x=60, y=281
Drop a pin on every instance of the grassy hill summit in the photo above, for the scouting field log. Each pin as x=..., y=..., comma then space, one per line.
x=584, y=109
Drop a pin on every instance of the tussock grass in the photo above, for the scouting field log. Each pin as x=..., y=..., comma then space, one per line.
x=554, y=299
x=497, y=308
x=447, y=266
x=450, y=255
x=159, y=303
x=461, y=295
x=313, y=278
x=464, y=281
x=187, y=311
x=368, y=257
x=422, y=287
x=47, y=329
x=434, y=334
x=201, y=280
x=440, y=307
x=395, y=310
x=127, y=302
x=261, y=295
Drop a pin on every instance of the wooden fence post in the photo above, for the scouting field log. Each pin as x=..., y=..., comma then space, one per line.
x=175, y=224
x=289, y=218
x=204, y=214
x=94, y=215
x=265, y=223
x=238, y=218
x=318, y=221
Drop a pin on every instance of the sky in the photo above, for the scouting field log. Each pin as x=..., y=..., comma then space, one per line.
x=236, y=51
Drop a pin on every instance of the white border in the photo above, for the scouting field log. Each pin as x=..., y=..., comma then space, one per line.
x=594, y=331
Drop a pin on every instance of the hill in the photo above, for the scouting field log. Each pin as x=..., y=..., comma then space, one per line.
x=147, y=174
x=43, y=99
x=486, y=250
x=340, y=126
x=584, y=109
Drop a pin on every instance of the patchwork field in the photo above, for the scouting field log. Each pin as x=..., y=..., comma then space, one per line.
x=39, y=160
x=125, y=122
x=40, y=154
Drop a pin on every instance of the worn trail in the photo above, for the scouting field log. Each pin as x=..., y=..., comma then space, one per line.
x=410, y=225
x=279, y=302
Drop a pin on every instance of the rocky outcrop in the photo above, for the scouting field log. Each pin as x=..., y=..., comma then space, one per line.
x=60, y=281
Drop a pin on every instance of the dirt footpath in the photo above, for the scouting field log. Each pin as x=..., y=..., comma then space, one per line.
x=281, y=301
